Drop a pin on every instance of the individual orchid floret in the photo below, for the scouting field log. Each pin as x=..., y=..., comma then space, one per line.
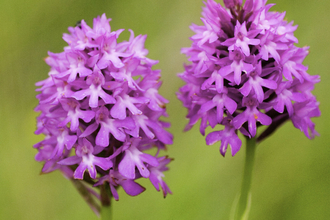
x=157, y=175
x=125, y=73
x=135, y=158
x=63, y=140
x=227, y=137
x=221, y=102
x=100, y=111
x=95, y=90
x=251, y=115
x=136, y=47
x=112, y=126
x=115, y=179
x=77, y=61
x=237, y=66
x=86, y=160
x=74, y=114
x=256, y=83
x=124, y=102
x=111, y=54
x=303, y=112
x=242, y=39
x=285, y=96
x=246, y=72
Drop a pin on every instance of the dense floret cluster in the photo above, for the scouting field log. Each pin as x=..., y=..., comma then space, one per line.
x=100, y=111
x=245, y=72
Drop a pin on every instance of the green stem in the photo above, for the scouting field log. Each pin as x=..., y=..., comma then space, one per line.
x=245, y=197
x=106, y=212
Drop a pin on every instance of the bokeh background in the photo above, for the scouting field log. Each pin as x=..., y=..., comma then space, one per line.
x=291, y=177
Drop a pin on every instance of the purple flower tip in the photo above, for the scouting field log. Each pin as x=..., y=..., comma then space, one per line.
x=100, y=110
x=245, y=72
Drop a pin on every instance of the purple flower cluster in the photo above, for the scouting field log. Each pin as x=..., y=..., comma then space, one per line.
x=100, y=111
x=246, y=72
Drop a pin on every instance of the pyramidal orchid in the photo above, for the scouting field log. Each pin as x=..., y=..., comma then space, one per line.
x=100, y=111
x=246, y=72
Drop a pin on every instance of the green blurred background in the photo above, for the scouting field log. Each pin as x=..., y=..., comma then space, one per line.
x=291, y=177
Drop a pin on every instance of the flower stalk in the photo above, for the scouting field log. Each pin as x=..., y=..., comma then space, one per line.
x=106, y=211
x=244, y=202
